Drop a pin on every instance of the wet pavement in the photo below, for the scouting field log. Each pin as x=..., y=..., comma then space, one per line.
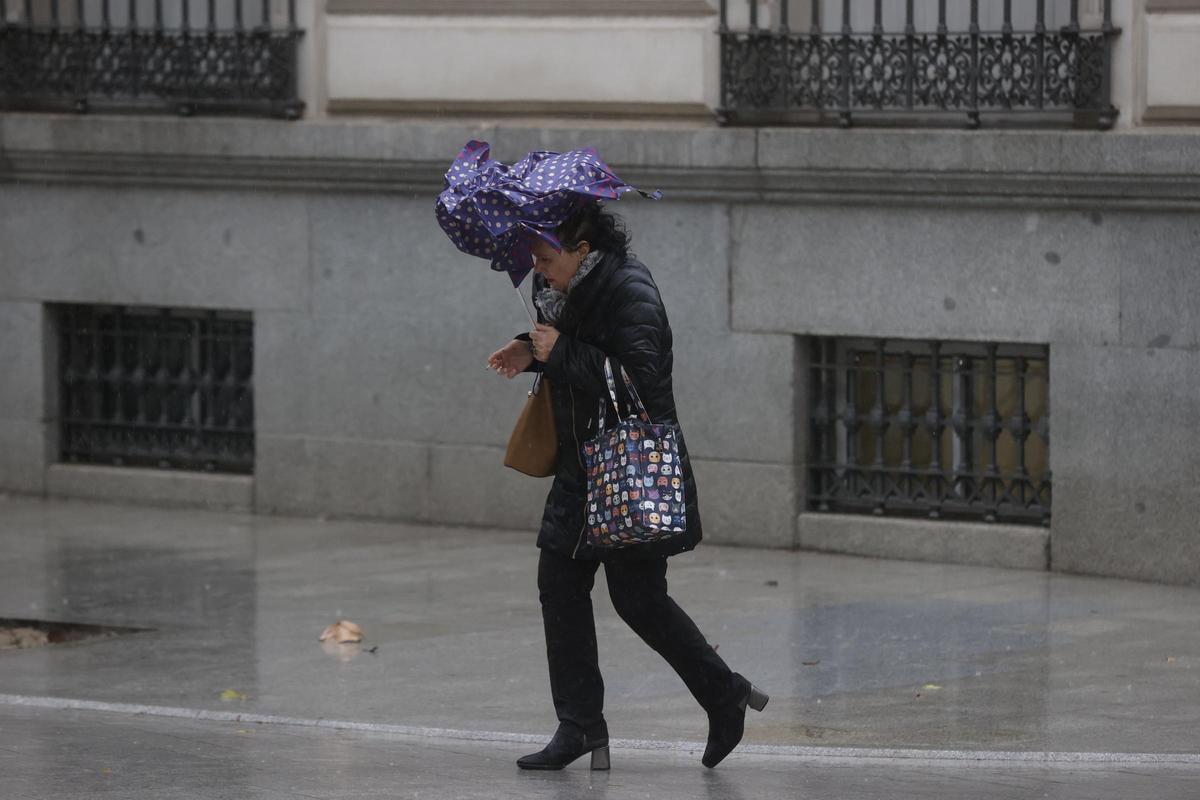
x=887, y=678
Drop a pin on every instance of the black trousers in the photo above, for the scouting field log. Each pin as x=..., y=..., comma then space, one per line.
x=639, y=594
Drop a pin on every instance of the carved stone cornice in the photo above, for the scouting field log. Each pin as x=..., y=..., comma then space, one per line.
x=1028, y=169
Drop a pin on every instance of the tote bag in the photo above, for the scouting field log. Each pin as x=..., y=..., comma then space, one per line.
x=635, y=487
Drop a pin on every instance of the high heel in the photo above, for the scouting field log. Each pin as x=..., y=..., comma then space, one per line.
x=757, y=699
x=726, y=726
x=568, y=744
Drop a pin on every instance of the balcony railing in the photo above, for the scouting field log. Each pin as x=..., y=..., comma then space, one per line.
x=917, y=58
x=197, y=56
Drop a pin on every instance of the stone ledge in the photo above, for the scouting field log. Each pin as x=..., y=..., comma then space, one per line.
x=944, y=541
x=159, y=487
x=1138, y=169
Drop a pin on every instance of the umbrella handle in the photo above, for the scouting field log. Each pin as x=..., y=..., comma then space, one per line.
x=525, y=305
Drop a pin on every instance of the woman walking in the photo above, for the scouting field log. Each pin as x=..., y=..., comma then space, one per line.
x=596, y=301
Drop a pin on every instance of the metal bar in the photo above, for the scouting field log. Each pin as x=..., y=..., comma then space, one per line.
x=1108, y=114
x=29, y=12
x=1020, y=429
x=1044, y=432
x=934, y=423
x=964, y=403
x=1007, y=28
x=266, y=15
x=1073, y=25
x=212, y=16
x=723, y=26
x=139, y=376
x=814, y=25
x=95, y=371
x=158, y=16
x=879, y=422
x=910, y=39
x=753, y=15
x=973, y=113
x=877, y=28
x=821, y=422
x=992, y=430
x=237, y=16
x=847, y=30
x=908, y=425
x=851, y=423
x=831, y=391
x=1040, y=37
x=942, y=29
x=783, y=41
x=54, y=14
x=116, y=373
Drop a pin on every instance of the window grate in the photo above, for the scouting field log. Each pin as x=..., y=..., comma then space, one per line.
x=157, y=387
x=930, y=428
x=846, y=60
x=188, y=56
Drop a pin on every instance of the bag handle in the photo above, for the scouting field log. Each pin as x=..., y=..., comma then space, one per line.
x=612, y=393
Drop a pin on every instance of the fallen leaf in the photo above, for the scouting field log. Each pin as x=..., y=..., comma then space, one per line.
x=772, y=583
x=22, y=637
x=1171, y=659
x=232, y=694
x=811, y=663
x=931, y=687
x=343, y=632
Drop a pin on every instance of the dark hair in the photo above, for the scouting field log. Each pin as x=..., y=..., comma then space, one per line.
x=596, y=225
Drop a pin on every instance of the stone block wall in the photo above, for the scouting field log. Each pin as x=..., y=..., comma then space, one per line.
x=371, y=331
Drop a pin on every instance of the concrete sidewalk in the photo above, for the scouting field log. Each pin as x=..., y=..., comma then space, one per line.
x=864, y=659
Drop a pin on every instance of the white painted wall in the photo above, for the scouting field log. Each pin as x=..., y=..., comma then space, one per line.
x=669, y=61
x=1172, y=60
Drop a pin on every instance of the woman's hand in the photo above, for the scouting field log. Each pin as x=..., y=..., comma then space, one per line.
x=512, y=359
x=543, y=337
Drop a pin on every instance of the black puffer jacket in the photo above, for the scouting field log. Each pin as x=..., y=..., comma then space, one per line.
x=614, y=311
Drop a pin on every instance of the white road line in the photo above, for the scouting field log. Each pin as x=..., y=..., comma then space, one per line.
x=795, y=751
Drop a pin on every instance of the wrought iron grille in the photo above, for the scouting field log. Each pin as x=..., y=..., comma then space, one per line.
x=936, y=429
x=773, y=73
x=192, y=56
x=157, y=387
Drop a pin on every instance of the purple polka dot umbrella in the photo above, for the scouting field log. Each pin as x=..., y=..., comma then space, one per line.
x=495, y=211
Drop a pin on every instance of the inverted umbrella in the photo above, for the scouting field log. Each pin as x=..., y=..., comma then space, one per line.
x=495, y=211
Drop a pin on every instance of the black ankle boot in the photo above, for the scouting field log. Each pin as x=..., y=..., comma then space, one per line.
x=568, y=744
x=726, y=725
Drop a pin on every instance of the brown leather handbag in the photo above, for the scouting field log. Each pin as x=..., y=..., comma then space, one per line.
x=533, y=446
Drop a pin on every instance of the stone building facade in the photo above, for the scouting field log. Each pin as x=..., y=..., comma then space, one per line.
x=813, y=275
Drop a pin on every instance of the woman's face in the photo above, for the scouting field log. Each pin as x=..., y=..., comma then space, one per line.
x=557, y=267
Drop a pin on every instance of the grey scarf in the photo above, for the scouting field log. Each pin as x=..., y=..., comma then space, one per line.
x=551, y=301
